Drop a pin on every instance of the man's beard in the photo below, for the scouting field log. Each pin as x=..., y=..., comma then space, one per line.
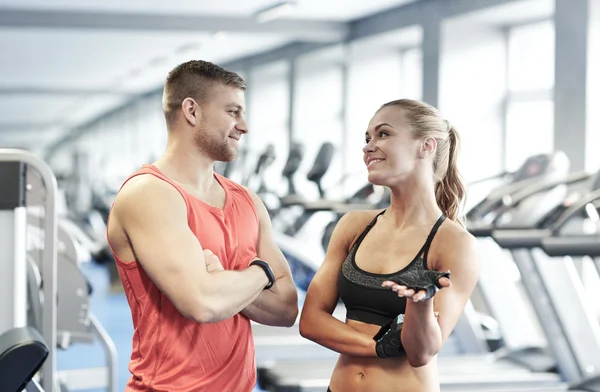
x=217, y=150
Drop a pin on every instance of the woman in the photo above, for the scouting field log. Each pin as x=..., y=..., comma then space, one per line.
x=413, y=151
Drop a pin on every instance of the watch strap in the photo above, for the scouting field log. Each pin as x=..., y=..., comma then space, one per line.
x=268, y=271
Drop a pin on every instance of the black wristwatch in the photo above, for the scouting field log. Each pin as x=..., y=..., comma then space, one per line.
x=268, y=271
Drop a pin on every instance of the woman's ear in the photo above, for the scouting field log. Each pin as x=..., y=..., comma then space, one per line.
x=428, y=147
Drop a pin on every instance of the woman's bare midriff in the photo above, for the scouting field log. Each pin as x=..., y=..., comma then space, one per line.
x=372, y=374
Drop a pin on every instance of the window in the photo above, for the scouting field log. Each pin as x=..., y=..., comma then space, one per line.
x=529, y=106
x=318, y=101
x=411, y=83
x=531, y=57
x=372, y=81
x=268, y=113
x=593, y=90
x=530, y=130
x=472, y=93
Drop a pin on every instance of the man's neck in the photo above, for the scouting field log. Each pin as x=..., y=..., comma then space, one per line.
x=188, y=168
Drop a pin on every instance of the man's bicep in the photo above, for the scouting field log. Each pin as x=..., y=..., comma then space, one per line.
x=463, y=264
x=165, y=247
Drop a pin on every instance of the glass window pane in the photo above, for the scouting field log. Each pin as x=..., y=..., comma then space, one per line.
x=372, y=81
x=317, y=117
x=529, y=131
x=268, y=111
x=593, y=87
x=531, y=57
x=411, y=83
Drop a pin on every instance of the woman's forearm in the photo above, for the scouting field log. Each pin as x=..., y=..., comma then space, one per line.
x=421, y=334
x=326, y=330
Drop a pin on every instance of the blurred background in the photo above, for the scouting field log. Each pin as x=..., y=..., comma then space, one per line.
x=81, y=86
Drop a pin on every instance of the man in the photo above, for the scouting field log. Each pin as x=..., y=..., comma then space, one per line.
x=186, y=241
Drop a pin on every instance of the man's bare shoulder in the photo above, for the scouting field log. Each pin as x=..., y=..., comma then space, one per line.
x=145, y=191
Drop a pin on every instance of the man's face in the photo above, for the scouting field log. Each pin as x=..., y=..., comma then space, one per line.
x=222, y=123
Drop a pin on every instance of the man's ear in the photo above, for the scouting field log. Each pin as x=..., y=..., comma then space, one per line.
x=191, y=111
x=428, y=147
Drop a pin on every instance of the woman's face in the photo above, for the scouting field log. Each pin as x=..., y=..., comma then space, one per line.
x=391, y=152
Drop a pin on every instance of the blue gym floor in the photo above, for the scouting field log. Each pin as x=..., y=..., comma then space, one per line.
x=112, y=311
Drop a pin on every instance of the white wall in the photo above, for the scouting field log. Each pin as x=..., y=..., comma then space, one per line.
x=472, y=89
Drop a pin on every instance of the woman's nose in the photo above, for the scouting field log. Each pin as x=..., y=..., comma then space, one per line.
x=369, y=147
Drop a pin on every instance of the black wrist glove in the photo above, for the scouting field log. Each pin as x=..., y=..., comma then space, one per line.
x=388, y=339
x=425, y=280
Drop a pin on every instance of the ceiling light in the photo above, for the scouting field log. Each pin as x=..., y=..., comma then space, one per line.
x=158, y=61
x=188, y=48
x=275, y=11
x=219, y=35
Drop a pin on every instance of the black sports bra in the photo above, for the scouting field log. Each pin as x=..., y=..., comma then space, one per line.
x=364, y=298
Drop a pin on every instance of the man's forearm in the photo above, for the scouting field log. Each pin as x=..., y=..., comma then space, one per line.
x=231, y=291
x=277, y=306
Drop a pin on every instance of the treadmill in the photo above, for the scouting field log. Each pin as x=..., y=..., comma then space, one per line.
x=470, y=372
x=496, y=291
x=559, y=244
x=573, y=333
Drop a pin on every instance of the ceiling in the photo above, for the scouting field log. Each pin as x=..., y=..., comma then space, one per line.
x=340, y=10
x=66, y=62
x=511, y=13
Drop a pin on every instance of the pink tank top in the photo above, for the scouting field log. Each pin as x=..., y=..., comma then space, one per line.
x=171, y=353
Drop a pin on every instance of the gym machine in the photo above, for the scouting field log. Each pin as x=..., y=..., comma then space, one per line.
x=13, y=220
x=34, y=260
x=496, y=289
x=573, y=335
x=22, y=354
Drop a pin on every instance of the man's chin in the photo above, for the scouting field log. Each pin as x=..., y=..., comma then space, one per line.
x=229, y=157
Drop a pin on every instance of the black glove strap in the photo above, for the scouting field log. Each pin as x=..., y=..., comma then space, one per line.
x=389, y=342
x=268, y=271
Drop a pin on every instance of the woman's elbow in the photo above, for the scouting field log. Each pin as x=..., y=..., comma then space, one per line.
x=419, y=360
x=421, y=357
x=304, y=328
x=307, y=330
